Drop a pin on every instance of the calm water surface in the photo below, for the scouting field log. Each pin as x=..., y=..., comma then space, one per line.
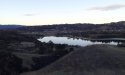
x=72, y=41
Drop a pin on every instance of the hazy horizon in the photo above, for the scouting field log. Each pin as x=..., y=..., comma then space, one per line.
x=60, y=23
x=48, y=12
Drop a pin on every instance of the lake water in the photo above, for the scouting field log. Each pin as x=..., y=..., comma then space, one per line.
x=73, y=41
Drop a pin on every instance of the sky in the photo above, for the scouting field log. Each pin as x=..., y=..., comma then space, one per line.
x=47, y=12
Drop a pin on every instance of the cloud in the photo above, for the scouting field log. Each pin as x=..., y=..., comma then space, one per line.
x=107, y=8
x=29, y=14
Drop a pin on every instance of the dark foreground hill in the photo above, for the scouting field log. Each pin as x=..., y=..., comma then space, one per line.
x=91, y=60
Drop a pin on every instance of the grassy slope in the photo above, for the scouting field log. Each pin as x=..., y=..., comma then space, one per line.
x=90, y=60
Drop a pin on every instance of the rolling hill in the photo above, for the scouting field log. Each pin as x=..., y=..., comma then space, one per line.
x=90, y=60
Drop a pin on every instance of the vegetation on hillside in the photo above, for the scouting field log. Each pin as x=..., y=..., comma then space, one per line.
x=21, y=53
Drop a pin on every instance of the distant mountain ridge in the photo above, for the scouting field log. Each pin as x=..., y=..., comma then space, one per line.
x=115, y=26
x=6, y=27
x=68, y=27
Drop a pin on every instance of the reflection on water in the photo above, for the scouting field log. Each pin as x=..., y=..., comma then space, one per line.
x=79, y=42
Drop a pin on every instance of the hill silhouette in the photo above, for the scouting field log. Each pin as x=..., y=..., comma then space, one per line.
x=113, y=26
x=9, y=27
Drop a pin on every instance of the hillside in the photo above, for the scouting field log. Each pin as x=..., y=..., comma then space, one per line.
x=80, y=30
x=21, y=53
x=90, y=60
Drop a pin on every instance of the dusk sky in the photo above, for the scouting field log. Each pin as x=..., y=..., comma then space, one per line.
x=41, y=12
